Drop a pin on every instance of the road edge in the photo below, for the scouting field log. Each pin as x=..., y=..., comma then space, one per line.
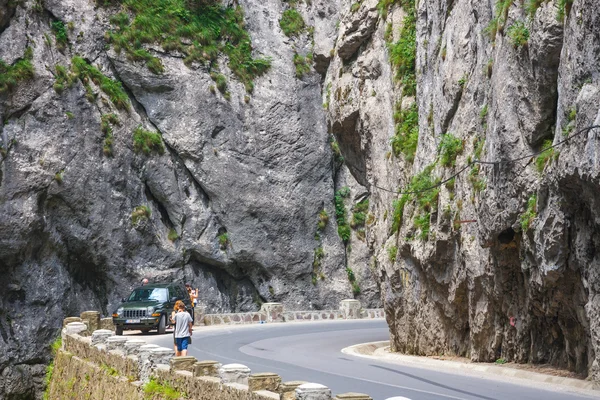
x=376, y=351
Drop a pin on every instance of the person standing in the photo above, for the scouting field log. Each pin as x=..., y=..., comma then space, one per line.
x=172, y=318
x=183, y=330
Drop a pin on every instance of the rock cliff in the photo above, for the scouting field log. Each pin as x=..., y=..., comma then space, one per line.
x=483, y=235
x=279, y=151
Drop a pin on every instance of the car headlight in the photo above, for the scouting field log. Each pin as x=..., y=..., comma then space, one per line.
x=149, y=310
x=119, y=312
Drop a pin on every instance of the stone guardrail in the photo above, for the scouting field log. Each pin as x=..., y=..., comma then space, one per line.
x=95, y=364
x=275, y=312
x=269, y=312
x=102, y=365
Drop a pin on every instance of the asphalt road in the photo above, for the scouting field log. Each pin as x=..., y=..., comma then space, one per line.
x=311, y=351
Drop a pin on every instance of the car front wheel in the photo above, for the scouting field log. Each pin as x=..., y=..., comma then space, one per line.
x=162, y=325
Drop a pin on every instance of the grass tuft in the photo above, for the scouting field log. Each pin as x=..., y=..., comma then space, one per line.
x=529, y=215
x=450, y=147
x=292, y=23
x=406, y=137
x=140, y=213
x=147, y=141
x=20, y=71
x=544, y=158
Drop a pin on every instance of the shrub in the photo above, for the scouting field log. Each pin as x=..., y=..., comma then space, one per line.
x=220, y=81
x=398, y=213
x=359, y=215
x=545, y=156
x=140, y=213
x=21, y=70
x=355, y=288
x=518, y=34
x=564, y=7
x=302, y=64
x=291, y=22
x=422, y=224
x=147, y=142
x=340, y=213
x=406, y=137
x=106, y=122
x=173, y=235
x=60, y=33
x=323, y=220
x=392, y=253
x=335, y=147
x=531, y=7
x=530, y=213
x=483, y=113
x=350, y=273
x=450, y=147
x=344, y=232
x=403, y=53
x=424, y=192
x=223, y=240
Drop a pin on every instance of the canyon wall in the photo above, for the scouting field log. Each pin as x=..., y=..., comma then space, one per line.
x=305, y=152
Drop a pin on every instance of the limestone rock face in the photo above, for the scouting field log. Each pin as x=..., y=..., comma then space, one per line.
x=290, y=193
x=232, y=203
x=499, y=263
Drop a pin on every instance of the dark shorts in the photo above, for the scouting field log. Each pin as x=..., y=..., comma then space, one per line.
x=182, y=343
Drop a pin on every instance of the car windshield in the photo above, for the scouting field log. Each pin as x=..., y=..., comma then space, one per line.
x=151, y=294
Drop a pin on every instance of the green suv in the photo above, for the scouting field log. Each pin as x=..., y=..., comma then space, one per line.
x=149, y=307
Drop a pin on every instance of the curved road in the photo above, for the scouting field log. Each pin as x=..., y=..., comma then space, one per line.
x=311, y=351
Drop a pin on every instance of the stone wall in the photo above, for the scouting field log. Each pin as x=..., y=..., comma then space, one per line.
x=105, y=366
x=275, y=312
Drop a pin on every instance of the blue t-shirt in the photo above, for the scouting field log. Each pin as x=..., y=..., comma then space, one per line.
x=182, y=321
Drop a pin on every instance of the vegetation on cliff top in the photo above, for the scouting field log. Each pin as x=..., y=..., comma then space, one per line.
x=201, y=30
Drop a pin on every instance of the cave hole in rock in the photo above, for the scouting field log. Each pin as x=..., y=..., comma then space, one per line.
x=506, y=236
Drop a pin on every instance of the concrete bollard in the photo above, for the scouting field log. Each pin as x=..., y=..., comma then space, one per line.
x=287, y=390
x=132, y=346
x=234, y=373
x=115, y=343
x=264, y=381
x=183, y=363
x=313, y=391
x=99, y=336
x=70, y=319
x=274, y=311
x=92, y=318
x=75, y=328
x=353, y=396
x=350, y=308
x=107, y=323
x=207, y=368
x=161, y=355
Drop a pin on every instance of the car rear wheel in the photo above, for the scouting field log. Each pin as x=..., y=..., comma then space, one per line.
x=162, y=325
x=119, y=330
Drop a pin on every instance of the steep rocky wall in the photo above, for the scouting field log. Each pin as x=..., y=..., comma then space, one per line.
x=232, y=191
x=500, y=261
